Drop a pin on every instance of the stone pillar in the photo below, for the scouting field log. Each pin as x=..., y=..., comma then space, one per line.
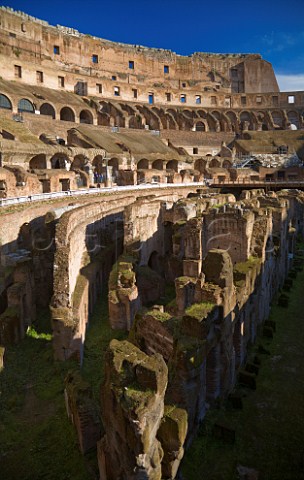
x=132, y=409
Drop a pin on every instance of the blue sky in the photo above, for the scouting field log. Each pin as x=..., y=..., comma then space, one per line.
x=273, y=28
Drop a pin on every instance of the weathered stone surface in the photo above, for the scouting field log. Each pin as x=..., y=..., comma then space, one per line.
x=217, y=267
x=172, y=435
x=123, y=296
x=82, y=411
x=132, y=409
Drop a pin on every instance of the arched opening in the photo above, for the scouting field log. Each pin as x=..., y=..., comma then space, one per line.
x=200, y=165
x=86, y=117
x=103, y=119
x=5, y=102
x=265, y=127
x=38, y=162
x=143, y=164
x=227, y=164
x=293, y=118
x=98, y=164
x=47, y=109
x=25, y=105
x=135, y=122
x=158, y=164
x=200, y=127
x=60, y=160
x=214, y=163
x=245, y=119
x=172, y=165
x=79, y=162
x=277, y=118
x=67, y=114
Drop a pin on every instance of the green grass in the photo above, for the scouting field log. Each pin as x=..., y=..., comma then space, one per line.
x=270, y=428
x=37, y=441
x=199, y=310
x=98, y=336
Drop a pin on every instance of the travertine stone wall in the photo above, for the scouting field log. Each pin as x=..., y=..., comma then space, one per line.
x=93, y=66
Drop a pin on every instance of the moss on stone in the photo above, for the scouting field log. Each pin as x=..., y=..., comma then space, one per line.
x=199, y=310
x=241, y=269
x=160, y=316
x=182, y=281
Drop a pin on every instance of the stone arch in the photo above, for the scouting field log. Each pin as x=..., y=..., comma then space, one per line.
x=200, y=126
x=172, y=165
x=188, y=113
x=278, y=118
x=97, y=163
x=293, y=118
x=158, y=164
x=200, y=165
x=201, y=113
x=38, y=162
x=60, y=160
x=67, y=114
x=227, y=164
x=103, y=119
x=216, y=114
x=5, y=102
x=25, y=105
x=48, y=109
x=246, y=119
x=172, y=112
x=135, y=121
x=79, y=162
x=234, y=123
x=143, y=164
x=86, y=117
x=214, y=163
x=171, y=122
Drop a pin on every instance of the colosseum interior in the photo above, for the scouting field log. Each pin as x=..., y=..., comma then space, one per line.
x=151, y=235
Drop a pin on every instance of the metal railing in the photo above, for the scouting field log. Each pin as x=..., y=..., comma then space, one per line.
x=90, y=191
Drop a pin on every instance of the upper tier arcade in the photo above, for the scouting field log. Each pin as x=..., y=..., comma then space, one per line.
x=35, y=52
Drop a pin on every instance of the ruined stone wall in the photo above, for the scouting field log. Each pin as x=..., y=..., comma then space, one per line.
x=204, y=338
x=59, y=51
x=74, y=233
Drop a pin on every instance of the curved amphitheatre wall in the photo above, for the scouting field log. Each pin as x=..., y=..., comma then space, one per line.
x=230, y=293
x=27, y=235
x=212, y=86
x=88, y=239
